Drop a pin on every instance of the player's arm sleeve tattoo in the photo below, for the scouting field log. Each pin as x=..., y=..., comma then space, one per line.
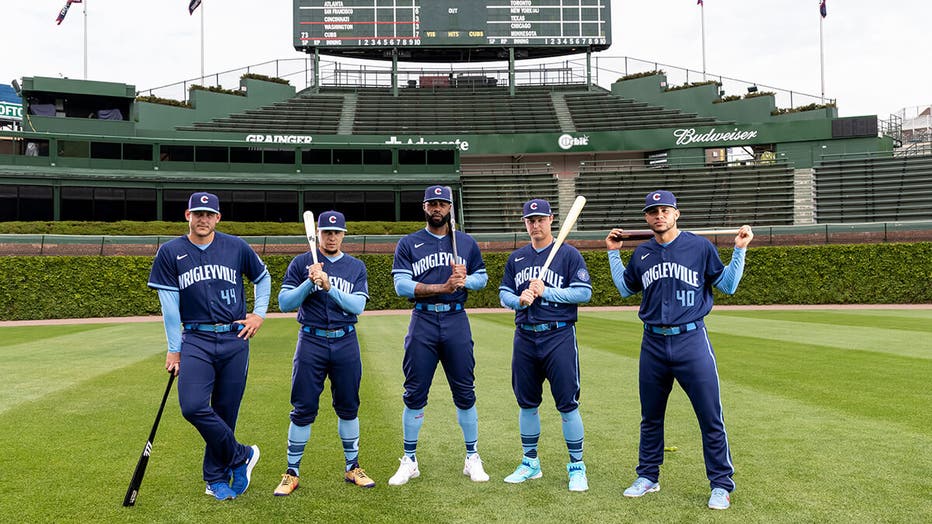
x=171, y=317
x=618, y=273
x=290, y=298
x=263, y=288
x=568, y=295
x=477, y=280
x=728, y=281
x=351, y=303
x=404, y=284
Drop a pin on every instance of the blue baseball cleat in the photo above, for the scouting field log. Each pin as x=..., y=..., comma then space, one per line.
x=220, y=490
x=528, y=469
x=577, y=473
x=242, y=474
x=641, y=487
x=720, y=499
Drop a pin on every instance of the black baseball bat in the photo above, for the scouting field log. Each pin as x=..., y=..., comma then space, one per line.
x=133, y=489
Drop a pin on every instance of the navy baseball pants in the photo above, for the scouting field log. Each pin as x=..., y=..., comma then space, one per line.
x=315, y=359
x=688, y=358
x=550, y=355
x=443, y=337
x=211, y=383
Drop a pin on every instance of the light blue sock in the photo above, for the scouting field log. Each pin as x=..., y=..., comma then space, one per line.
x=529, y=424
x=573, y=434
x=349, y=434
x=469, y=422
x=412, y=419
x=297, y=440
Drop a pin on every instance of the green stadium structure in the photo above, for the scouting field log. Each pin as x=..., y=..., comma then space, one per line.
x=95, y=151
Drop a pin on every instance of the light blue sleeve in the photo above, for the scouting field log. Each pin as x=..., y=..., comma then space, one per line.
x=510, y=300
x=728, y=281
x=263, y=291
x=477, y=280
x=351, y=303
x=171, y=317
x=618, y=272
x=568, y=295
x=404, y=284
x=289, y=299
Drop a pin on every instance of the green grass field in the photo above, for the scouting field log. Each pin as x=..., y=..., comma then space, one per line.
x=829, y=414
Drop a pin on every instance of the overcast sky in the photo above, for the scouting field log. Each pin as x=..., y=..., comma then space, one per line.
x=877, y=54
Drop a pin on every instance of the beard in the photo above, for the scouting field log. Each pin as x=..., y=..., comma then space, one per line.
x=436, y=222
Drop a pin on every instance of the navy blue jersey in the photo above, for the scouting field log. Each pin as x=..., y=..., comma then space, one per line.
x=568, y=269
x=427, y=258
x=319, y=309
x=676, y=279
x=208, y=282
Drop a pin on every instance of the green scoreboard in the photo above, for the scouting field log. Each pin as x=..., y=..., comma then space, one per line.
x=445, y=30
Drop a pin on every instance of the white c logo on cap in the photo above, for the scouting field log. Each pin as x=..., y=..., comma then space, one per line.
x=332, y=219
x=533, y=206
x=656, y=196
x=438, y=191
x=204, y=199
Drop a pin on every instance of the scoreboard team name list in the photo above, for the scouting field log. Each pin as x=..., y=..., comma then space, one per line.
x=413, y=22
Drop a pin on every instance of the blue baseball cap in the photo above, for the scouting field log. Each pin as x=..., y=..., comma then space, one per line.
x=659, y=198
x=331, y=221
x=537, y=207
x=204, y=202
x=438, y=193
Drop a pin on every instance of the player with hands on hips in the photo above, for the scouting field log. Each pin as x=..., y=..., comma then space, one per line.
x=426, y=272
x=328, y=295
x=675, y=272
x=199, y=279
x=545, y=339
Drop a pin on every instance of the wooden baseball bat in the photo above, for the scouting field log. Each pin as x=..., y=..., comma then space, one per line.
x=136, y=482
x=565, y=229
x=453, y=228
x=644, y=234
x=310, y=230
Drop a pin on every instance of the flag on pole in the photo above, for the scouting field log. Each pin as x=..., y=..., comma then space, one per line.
x=699, y=2
x=822, y=10
x=64, y=11
x=194, y=4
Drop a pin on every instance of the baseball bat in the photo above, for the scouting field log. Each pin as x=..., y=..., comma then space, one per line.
x=130, y=498
x=644, y=234
x=565, y=228
x=310, y=230
x=453, y=228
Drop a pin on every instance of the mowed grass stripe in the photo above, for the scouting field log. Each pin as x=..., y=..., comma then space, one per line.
x=45, y=359
x=917, y=322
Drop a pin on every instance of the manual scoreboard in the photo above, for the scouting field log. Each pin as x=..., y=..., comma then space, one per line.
x=438, y=29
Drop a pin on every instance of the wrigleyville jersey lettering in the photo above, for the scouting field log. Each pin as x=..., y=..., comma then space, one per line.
x=427, y=259
x=675, y=280
x=319, y=309
x=208, y=282
x=568, y=269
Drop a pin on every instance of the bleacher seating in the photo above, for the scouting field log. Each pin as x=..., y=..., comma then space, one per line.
x=602, y=111
x=873, y=189
x=303, y=114
x=493, y=196
x=709, y=196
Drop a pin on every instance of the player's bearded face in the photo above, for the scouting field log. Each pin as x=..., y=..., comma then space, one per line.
x=437, y=213
x=661, y=218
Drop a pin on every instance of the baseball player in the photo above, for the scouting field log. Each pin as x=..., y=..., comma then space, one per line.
x=199, y=278
x=328, y=296
x=545, y=339
x=675, y=271
x=425, y=271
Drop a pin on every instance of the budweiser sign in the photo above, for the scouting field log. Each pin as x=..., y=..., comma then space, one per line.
x=691, y=136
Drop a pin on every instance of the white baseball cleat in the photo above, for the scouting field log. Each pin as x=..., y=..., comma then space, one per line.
x=473, y=469
x=406, y=471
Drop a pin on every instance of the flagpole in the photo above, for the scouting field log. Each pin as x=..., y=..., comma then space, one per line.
x=702, y=22
x=822, y=57
x=85, y=39
x=202, y=42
